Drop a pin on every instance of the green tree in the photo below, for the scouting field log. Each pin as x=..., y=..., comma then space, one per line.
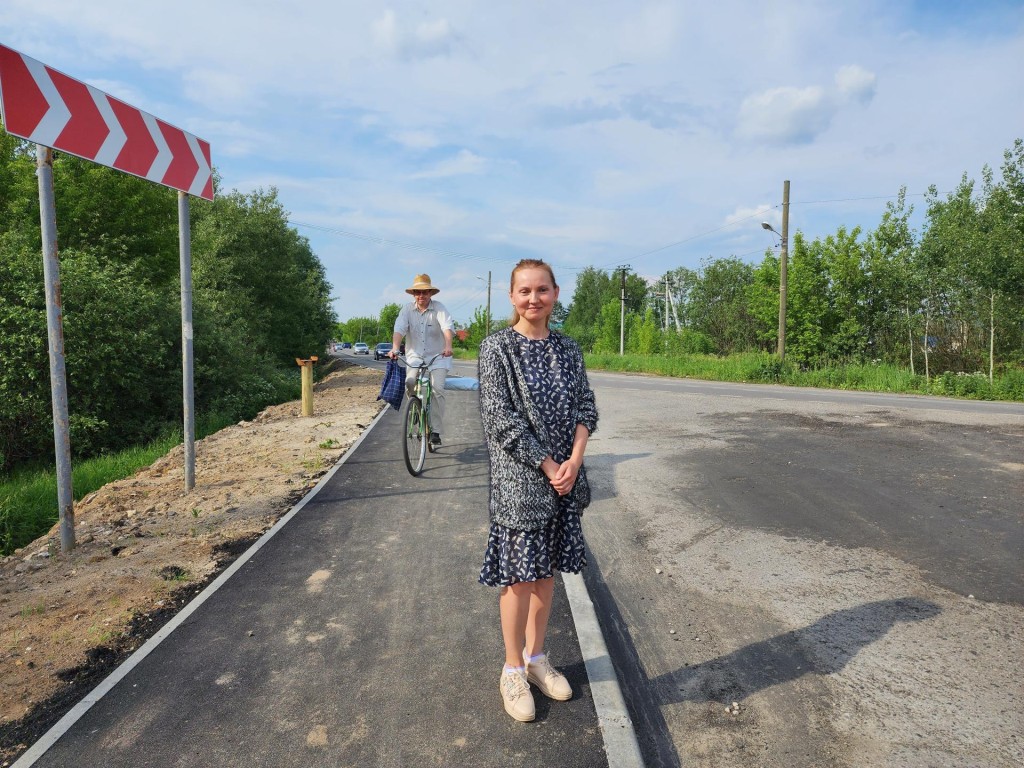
x=263, y=275
x=593, y=289
x=259, y=300
x=846, y=320
x=895, y=285
x=763, y=302
x=478, y=326
x=807, y=302
x=955, y=296
x=1001, y=267
x=718, y=304
x=606, y=336
x=645, y=335
x=388, y=316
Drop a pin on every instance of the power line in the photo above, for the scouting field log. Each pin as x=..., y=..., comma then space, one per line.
x=396, y=243
x=501, y=260
x=854, y=199
x=417, y=246
x=760, y=213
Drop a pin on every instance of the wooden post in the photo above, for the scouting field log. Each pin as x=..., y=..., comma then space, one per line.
x=307, y=384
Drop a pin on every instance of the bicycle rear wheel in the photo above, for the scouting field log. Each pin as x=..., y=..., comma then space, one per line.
x=414, y=437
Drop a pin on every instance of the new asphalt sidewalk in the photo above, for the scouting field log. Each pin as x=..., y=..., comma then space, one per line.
x=354, y=634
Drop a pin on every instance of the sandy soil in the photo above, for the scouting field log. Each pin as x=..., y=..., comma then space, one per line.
x=144, y=548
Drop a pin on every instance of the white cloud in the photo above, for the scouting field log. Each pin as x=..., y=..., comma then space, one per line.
x=464, y=163
x=234, y=138
x=652, y=30
x=428, y=40
x=385, y=31
x=757, y=214
x=572, y=232
x=221, y=91
x=790, y=115
x=415, y=139
x=785, y=115
x=856, y=83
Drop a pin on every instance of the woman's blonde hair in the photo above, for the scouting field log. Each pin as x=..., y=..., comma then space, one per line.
x=529, y=264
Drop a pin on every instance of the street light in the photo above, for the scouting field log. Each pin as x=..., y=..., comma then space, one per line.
x=783, y=265
x=487, y=330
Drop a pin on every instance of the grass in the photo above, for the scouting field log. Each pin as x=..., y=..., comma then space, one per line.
x=766, y=368
x=28, y=497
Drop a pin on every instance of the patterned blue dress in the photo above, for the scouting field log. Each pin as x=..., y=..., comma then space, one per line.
x=512, y=555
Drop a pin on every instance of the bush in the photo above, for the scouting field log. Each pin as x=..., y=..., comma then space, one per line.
x=689, y=342
x=770, y=370
x=1010, y=385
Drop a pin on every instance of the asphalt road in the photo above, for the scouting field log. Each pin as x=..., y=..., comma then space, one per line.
x=356, y=636
x=803, y=577
x=843, y=566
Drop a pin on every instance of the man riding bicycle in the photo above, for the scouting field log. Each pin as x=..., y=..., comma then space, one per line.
x=427, y=327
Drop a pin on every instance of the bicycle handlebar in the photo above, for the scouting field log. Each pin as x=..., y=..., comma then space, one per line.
x=422, y=365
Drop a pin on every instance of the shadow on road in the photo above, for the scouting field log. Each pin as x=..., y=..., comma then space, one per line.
x=602, y=483
x=822, y=648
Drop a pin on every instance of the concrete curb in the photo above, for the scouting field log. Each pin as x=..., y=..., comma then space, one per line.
x=620, y=741
x=61, y=727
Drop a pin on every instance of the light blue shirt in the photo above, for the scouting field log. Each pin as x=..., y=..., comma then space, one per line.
x=424, y=333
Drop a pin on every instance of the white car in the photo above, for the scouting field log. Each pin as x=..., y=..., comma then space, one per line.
x=359, y=348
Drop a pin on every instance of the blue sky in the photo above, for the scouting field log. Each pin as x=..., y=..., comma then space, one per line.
x=456, y=137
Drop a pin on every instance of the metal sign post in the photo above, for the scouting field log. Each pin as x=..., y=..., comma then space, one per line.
x=185, y=252
x=55, y=334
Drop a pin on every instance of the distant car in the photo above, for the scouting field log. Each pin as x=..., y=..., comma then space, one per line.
x=382, y=350
x=346, y=345
x=360, y=348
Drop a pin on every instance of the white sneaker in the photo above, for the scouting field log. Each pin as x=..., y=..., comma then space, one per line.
x=515, y=692
x=551, y=682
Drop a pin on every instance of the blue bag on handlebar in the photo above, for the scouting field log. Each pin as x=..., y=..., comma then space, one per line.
x=393, y=388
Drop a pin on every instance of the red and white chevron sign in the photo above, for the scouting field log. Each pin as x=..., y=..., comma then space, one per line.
x=49, y=108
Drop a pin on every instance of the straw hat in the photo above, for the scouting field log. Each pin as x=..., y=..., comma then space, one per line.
x=422, y=283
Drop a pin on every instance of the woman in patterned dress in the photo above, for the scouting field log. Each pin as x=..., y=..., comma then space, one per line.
x=538, y=411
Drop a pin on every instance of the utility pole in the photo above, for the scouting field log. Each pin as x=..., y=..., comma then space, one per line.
x=622, y=311
x=783, y=264
x=487, y=332
x=664, y=325
x=673, y=305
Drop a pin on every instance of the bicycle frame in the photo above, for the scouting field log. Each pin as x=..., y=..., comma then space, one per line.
x=416, y=429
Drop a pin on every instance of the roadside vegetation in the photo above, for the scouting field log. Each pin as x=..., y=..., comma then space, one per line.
x=260, y=299
x=28, y=497
x=938, y=311
x=764, y=367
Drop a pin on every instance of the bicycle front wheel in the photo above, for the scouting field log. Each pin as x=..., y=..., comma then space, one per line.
x=414, y=437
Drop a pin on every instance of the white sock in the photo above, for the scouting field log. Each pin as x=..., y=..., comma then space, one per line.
x=509, y=670
x=531, y=659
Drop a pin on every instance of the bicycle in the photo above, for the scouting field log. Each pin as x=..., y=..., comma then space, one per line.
x=416, y=420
